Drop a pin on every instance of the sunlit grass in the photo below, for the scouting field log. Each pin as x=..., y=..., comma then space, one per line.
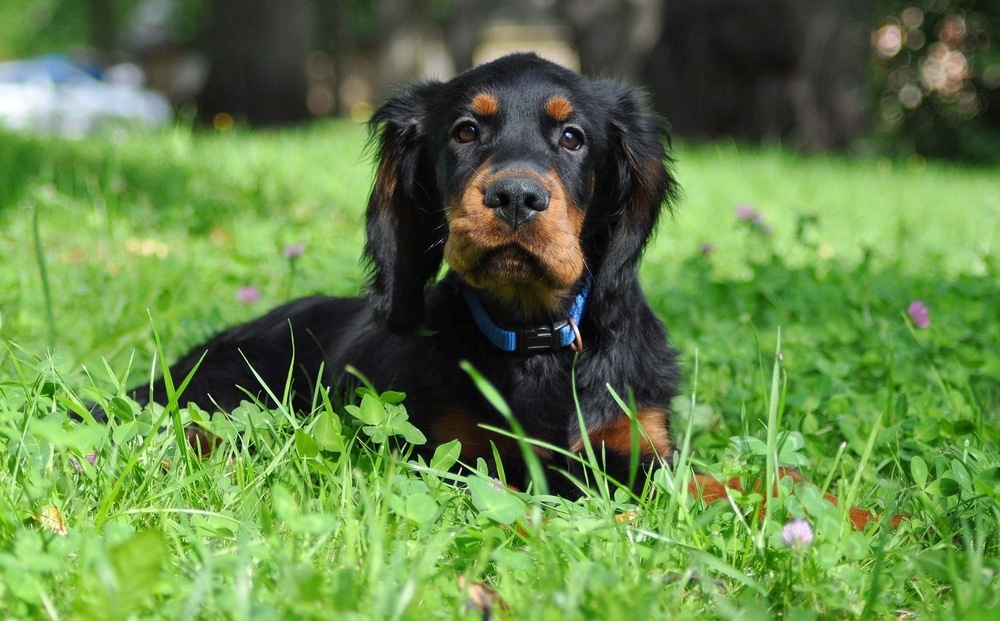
x=312, y=518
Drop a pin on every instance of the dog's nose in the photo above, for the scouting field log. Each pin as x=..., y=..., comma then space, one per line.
x=516, y=200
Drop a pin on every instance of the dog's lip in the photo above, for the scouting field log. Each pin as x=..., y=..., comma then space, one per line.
x=515, y=251
x=519, y=264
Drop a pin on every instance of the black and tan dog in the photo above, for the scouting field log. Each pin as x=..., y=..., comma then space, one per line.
x=539, y=188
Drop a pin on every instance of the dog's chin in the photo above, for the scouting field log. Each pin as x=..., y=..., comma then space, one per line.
x=509, y=265
x=518, y=284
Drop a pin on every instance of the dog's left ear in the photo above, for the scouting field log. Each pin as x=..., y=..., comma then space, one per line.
x=403, y=220
x=636, y=184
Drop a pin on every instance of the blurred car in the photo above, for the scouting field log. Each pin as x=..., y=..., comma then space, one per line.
x=51, y=95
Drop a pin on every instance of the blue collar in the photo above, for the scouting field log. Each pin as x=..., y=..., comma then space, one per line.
x=529, y=339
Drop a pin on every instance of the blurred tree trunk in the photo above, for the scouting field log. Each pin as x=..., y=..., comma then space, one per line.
x=828, y=88
x=612, y=37
x=463, y=31
x=401, y=24
x=412, y=46
x=341, y=49
x=103, y=24
x=764, y=70
x=257, y=50
x=334, y=37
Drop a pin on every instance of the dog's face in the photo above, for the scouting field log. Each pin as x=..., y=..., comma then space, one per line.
x=523, y=176
x=515, y=170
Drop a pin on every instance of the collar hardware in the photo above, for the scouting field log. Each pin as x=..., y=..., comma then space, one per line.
x=543, y=337
x=531, y=338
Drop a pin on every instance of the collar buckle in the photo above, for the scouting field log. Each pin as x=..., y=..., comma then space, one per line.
x=526, y=339
x=544, y=337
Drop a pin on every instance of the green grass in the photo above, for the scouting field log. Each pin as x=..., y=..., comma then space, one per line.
x=153, y=237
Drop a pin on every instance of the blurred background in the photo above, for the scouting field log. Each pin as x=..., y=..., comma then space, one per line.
x=903, y=78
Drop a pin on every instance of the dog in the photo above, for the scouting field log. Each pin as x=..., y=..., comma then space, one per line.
x=539, y=188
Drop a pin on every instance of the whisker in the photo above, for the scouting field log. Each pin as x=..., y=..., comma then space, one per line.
x=440, y=242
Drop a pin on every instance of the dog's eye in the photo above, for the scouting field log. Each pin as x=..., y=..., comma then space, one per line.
x=571, y=139
x=466, y=132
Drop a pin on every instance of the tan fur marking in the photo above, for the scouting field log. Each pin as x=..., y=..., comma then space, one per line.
x=454, y=424
x=485, y=104
x=617, y=435
x=201, y=441
x=559, y=108
x=386, y=179
x=711, y=490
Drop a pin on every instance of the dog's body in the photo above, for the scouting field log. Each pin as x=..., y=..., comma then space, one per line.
x=540, y=188
x=331, y=333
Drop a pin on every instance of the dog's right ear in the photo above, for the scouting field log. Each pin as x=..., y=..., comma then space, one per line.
x=405, y=227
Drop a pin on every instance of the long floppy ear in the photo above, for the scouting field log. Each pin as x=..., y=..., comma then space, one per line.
x=635, y=187
x=404, y=224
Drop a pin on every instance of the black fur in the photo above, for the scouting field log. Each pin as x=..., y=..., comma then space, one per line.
x=411, y=337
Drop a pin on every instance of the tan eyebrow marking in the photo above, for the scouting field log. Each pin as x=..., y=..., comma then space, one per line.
x=559, y=108
x=484, y=104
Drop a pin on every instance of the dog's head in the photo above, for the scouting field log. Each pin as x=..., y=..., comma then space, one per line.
x=525, y=177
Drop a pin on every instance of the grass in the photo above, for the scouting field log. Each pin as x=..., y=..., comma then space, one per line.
x=144, y=244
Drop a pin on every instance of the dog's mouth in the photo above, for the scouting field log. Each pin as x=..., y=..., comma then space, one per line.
x=517, y=285
x=509, y=263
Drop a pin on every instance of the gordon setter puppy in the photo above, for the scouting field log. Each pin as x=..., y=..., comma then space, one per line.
x=539, y=188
